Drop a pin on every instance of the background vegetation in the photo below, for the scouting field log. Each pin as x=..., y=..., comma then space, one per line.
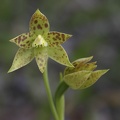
x=95, y=26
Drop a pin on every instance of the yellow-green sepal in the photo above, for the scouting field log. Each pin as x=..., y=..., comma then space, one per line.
x=95, y=75
x=75, y=80
x=22, y=58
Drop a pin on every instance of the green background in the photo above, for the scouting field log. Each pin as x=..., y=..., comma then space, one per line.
x=95, y=26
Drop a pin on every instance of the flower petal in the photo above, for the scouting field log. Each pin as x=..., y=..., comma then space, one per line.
x=88, y=66
x=81, y=64
x=58, y=54
x=24, y=40
x=93, y=78
x=75, y=80
x=41, y=58
x=22, y=58
x=57, y=37
x=39, y=23
x=84, y=60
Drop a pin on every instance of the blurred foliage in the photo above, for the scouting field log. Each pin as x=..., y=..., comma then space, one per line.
x=95, y=28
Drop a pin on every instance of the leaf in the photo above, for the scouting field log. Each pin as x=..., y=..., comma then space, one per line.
x=24, y=40
x=39, y=24
x=77, y=79
x=58, y=54
x=93, y=78
x=56, y=38
x=22, y=58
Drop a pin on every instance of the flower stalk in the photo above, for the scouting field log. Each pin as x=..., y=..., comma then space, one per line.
x=59, y=98
x=49, y=94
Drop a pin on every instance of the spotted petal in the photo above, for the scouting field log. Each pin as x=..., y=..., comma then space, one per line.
x=57, y=37
x=88, y=66
x=81, y=64
x=41, y=58
x=22, y=58
x=84, y=60
x=39, y=23
x=58, y=54
x=75, y=80
x=93, y=78
x=24, y=40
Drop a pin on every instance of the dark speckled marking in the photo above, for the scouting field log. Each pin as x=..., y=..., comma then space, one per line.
x=63, y=37
x=35, y=21
x=39, y=26
x=19, y=39
x=46, y=25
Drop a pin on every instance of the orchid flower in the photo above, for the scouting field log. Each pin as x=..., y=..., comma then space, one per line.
x=40, y=43
x=82, y=75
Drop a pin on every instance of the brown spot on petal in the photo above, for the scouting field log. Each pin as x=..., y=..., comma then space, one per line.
x=27, y=41
x=40, y=64
x=24, y=37
x=22, y=45
x=39, y=26
x=57, y=43
x=63, y=37
x=46, y=25
x=29, y=45
x=15, y=39
x=58, y=34
x=54, y=38
x=58, y=37
x=48, y=36
x=19, y=39
x=34, y=28
x=35, y=21
x=41, y=59
x=53, y=33
x=75, y=64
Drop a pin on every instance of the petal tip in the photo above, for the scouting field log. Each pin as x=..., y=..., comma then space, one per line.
x=10, y=70
x=91, y=57
x=11, y=40
x=105, y=71
x=70, y=35
x=38, y=10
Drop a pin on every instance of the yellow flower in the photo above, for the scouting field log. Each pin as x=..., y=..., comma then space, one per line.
x=83, y=74
x=40, y=43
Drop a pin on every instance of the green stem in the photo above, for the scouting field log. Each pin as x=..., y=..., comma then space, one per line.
x=59, y=98
x=48, y=90
x=61, y=89
x=60, y=106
